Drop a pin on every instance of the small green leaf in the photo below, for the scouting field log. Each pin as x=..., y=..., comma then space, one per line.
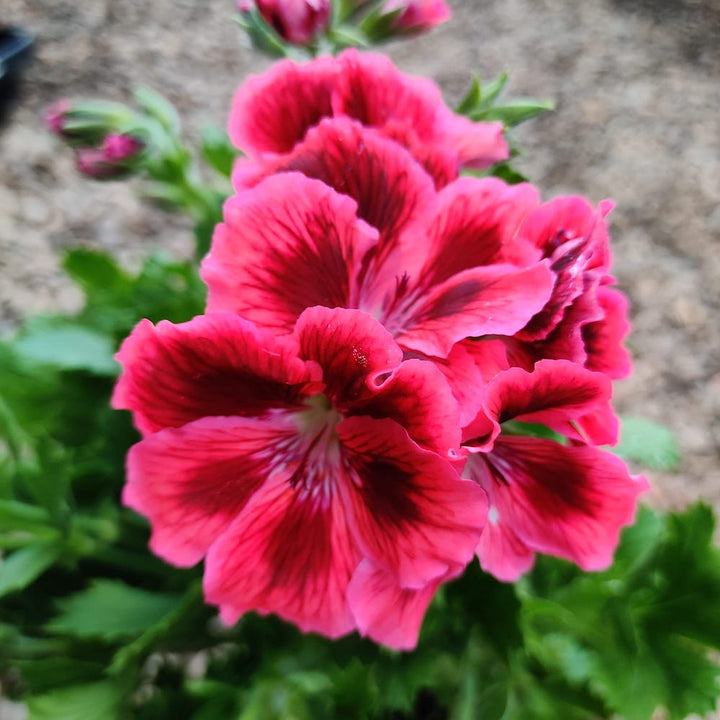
x=491, y=90
x=156, y=106
x=471, y=99
x=67, y=345
x=110, y=609
x=514, y=112
x=217, y=150
x=93, y=270
x=20, y=568
x=647, y=443
x=96, y=701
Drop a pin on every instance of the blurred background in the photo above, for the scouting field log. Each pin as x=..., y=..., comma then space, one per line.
x=637, y=93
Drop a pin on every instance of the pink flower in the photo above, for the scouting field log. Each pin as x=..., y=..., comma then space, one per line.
x=568, y=500
x=297, y=21
x=418, y=16
x=297, y=465
x=273, y=112
x=293, y=242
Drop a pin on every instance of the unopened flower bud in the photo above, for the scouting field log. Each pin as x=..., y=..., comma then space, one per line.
x=113, y=159
x=297, y=21
x=56, y=117
x=118, y=147
x=417, y=16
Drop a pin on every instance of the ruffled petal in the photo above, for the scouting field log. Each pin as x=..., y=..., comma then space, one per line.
x=353, y=349
x=287, y=244
x=213, y=365
x=501, y=552
x=464, y=376
x=478, y=144
x=288, y=553
x=384, y=611
x=387, y=183
x=273, y=111
x=603, y=338
x=556, y=393
x=410, y=511
x=497, y=299
x=566, y=501
x=192, y=482
x=372, y=90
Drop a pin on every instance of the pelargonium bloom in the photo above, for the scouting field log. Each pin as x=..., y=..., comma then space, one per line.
x=292, y=242
x=297, y=21
x=273, y=112
x=568, y=499
x=585, y=319
x=297, y=466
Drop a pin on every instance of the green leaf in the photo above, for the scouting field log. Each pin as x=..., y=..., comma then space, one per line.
x=637, y=636
x=647, y=443
x=43, y=674
x=94, y=271
x=66, y=345
x=156, y=106
x=217, y=150
x=514, y=112
x=96, y=701
x=471, y=99
x=110, y=610
x=21, y=567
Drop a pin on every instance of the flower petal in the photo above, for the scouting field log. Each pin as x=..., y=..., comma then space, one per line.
x=384, y=611
x=555, y=393
x=565, y=501
x=216, y=364
x=273, y=111
x=494, y=300
x=410, y=511
x=287, y=244
x=603, y=338
x=501, y=552
x=352, y=348
x=192, y=482
x=389, y=186
x=289, y=554
x=372, y=90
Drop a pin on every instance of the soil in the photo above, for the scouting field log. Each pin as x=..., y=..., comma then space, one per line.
x=637, y=92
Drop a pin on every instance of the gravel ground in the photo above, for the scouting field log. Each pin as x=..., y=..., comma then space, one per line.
x=637, y=90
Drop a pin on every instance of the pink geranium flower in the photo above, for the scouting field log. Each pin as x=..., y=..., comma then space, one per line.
x=273, y=112
x=568, y=500
x=297, y=465
x=292, y=242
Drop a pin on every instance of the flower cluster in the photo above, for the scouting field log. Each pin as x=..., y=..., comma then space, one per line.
x=399, y=368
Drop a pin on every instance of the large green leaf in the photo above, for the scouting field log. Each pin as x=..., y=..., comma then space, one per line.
x=96, y=701
x=647, y=443
x=67, y=345
x=21, y=567
x=110, y=609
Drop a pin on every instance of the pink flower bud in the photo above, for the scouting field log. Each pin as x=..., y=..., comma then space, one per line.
x=297, y=21
x=117, y=147
x=111, y=159
x=56, y=116
x=418, y=16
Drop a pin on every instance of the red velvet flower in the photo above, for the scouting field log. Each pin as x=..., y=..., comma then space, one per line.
x=454, y=271
x=568, y=500
x=297, y=465
x=273, y=112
